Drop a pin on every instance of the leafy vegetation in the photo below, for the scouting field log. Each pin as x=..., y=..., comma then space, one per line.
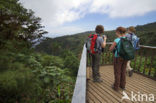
x=35, y=78
x=25, y=75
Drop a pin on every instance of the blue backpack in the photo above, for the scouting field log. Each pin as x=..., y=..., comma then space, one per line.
x=135, y=41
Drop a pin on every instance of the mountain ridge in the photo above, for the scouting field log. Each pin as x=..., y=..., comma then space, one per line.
x=138, y=28
x=75, y=42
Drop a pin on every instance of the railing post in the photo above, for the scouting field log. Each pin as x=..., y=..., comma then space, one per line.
x=139, y=67
x=145, y=64
x=149, y=73
x=155, y=73
x=103, y=58
x=135, y=59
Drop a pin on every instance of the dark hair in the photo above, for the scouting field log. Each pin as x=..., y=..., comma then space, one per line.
x=99, y=29
x=121, y=30
x=132, y=29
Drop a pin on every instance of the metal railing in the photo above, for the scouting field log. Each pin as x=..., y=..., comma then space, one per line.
x=79, y=95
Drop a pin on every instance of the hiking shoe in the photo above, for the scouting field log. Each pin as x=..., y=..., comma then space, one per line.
x=98, y=80
x=115, y=88
x=130, y=73
x=122, y=88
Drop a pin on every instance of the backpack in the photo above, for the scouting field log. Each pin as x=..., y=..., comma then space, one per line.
x=125, y=49
x=135, y=41
x=91, y=44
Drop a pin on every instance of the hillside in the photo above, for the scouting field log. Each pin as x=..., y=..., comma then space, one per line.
x=27, y=76
x=75, y=42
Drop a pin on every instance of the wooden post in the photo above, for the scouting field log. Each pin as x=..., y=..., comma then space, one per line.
x=109, y=58
x=135, y=59
x=145, y=64
x=152, y=56
x=103, y=58
x=155, y=73
x=139, y=67
x=88, y=72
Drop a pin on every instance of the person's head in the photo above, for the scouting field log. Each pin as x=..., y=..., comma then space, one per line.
x=120, y=31
x=131, y=29
x=99, y=29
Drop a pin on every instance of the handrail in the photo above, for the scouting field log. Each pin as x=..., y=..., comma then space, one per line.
x=79, y=95
x=150, y=47
x=144, y=46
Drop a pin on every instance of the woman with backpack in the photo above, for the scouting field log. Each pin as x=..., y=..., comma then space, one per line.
x=119, y=63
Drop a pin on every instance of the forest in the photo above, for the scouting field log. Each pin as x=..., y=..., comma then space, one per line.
x=27, y=76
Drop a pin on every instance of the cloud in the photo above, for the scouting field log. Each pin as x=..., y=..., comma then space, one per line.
x=123, y=8
x=55, y=13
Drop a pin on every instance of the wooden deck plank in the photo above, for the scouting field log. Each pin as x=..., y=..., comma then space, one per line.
x=106, y=97
x=115, y=93
x=107, y=87
x=102, y=92
x=120, y=92
x=128, y=89
x=93, y=97
x=137, y=85
x=114, y=99
x=133, y=87
x=134, y=84
x=141, y=79
x=97, y=94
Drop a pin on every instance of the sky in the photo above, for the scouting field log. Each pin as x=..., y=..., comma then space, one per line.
x=65, y=17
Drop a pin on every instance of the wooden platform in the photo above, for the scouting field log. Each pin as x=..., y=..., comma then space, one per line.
x=103, y=93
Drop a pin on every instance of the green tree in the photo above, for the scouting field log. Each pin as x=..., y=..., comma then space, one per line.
x=18, y=24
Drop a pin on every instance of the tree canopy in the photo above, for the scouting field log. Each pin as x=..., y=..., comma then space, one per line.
x=18, y=23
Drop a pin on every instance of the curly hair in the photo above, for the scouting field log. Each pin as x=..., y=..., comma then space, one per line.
x=99, y=29
x=121, y=30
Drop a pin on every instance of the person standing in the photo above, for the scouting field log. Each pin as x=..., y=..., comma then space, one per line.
x=119, y=63
x=135, y=42
x=100, y=43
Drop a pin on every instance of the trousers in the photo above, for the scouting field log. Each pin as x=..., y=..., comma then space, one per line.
x=119, y=72
x=95, y=65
